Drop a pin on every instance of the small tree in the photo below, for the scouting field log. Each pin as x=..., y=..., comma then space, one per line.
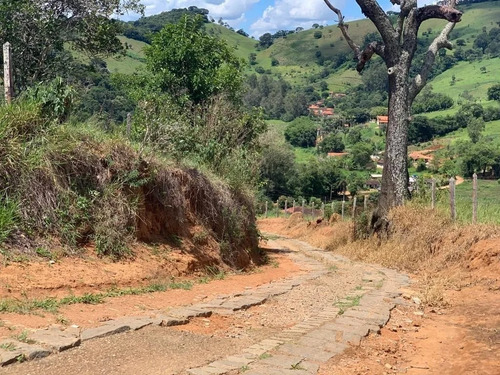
x=189, y=63
x=397, y=49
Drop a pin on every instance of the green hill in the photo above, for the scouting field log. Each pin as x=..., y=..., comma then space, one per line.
x=300, y=55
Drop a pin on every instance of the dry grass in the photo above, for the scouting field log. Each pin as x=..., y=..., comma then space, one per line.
x=421, y=241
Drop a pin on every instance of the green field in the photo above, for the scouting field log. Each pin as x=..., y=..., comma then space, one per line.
x=488, y=202
x=297, y=54
x=491, y=131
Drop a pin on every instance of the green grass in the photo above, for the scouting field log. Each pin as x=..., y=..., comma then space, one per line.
x=491, y=131
x=470, y=79
x=50, y=304
x=304, y=155
x=488, y=202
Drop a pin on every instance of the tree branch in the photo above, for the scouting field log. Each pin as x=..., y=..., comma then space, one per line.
x=440, y=42
x=362, y=56
x=440, y=12
x=376, y=14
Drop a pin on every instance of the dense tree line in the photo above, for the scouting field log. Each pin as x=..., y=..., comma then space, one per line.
x=276, y=97
x=144, y=27
x=423, y=129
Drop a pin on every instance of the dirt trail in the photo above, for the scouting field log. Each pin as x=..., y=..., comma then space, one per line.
x=277, y=327
x=460, y=337
x=313, y=323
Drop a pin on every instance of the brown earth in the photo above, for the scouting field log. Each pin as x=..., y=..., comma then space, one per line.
x=79, y=276
x=459, y=336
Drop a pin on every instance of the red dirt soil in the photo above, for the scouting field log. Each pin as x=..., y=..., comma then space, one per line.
x=79, y=276
x=462, y=337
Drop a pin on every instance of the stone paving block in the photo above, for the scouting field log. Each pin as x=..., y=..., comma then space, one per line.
x=190, y=312
x=110, y=328
x=269, y=370
x=8, y=356
x=56, y=339
x=286, y=362
x=369, y=317
x=313, y=354
x=170, y=321
x=20, y=350
x=136, y=322
x=198, y=371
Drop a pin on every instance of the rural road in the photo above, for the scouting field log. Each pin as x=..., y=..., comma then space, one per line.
x=289, y=326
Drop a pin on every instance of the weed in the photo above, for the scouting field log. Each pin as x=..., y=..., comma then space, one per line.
x=21, y=358
x=43, y=252
x=62, y=320
x=88, y=298
x=215, y=272
x=200, y=238
x=9, y=346
x=359, y=287
x=244, y=368
x=23, y=337
x=8, y=217
x=265, y=356
x=204, y=280
x=348, y=302
x=185, y=285
x=175, y=240
x=275, y=263
x=297, y=366
x=333, y=268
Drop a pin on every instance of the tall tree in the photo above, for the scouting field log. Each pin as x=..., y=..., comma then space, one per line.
x=40, y=30
x=397, y=50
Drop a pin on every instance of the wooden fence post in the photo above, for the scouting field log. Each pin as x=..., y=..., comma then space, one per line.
x=433, y=194
x=286, y=207
x=474, y=198
x=354, y=207
x=129, y=124
x=343, y=208
x=294, y=206
x=365, y=203
x=303, y=207
x=7, y=73
x=278, y=208
x=322, y=210
x=266, y=209
x=453, y=207
x=312, y=211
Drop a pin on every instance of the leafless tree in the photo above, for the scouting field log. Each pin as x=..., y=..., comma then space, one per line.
x=398, y=50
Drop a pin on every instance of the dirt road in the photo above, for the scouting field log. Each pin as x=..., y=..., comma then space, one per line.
x=293, y=325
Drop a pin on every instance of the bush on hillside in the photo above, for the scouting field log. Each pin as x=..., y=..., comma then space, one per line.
x=79, y=186
x=301, y=132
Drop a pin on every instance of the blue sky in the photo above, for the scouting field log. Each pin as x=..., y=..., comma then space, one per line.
x=260, y=16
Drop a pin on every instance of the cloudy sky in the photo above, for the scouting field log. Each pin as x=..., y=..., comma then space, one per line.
x=260, y=16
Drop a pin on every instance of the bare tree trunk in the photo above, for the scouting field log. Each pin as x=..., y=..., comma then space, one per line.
x=394, y=190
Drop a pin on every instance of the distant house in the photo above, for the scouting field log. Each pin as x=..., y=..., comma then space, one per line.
x=382, y=120
x=319, y=110
x=337, y=154
x=328, y=112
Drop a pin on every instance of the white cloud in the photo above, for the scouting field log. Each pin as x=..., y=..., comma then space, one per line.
x=289, y=14
x=232, y=11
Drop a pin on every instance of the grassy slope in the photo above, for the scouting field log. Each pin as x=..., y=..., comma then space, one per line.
x=492, y=130
x=296, y=53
